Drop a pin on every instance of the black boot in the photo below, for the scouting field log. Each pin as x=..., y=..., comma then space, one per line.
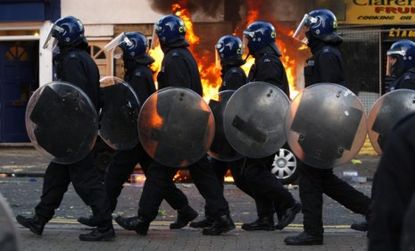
x=136, y=223
x=184, y=216
x=35, y=224
x=304, y=239
x=205, y=223
x=99, y=234
x=262, y=223
x=362, y=226
x=88, y=221
x=221, y=225
x=288, y=216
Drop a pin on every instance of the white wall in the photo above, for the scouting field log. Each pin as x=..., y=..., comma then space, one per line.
x=110, y=11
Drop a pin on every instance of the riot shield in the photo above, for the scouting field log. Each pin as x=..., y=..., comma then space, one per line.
x=119, y=114
x=254, y=119
x=8, y=234
x=326, y=125
x=220, y=148
x=386, y=112
x=176, y=127
x=62, y=122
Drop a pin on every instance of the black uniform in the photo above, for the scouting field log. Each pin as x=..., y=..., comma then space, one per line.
x=408, y=229
x=268, y=68
x=270, y=196
x=393, y=187
x=139, y=76
x=233, y=77
x=75, y=65
x=180, y=69
x=326, y=65
x=406, y=81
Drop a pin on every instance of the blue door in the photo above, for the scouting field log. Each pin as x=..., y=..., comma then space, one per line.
x=18, y=78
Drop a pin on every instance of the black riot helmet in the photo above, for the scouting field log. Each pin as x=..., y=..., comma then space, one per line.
x=258, y=35
x=401, y=57
x=65, y=32
x=229, y=50
x=320, y=24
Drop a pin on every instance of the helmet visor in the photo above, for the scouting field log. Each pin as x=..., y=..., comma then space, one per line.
x=390, y=62
x=303, y=27
x=155, y=41
x=245, y=49
x=218, y=63
x=51, y=42
x=113, y=45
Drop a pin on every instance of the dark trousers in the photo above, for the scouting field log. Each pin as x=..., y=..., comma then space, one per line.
x=121, y=167
x=264, y=207
x=160, y=178
x=87, y=183
x=313, y=183
x=270, y=195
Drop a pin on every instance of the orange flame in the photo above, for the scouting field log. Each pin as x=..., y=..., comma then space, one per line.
x=209, y=73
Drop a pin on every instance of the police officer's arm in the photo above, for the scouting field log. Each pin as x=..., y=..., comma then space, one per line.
x=143, y=84
x=273, y=72
x=330, y=68
x=73, y=72
x=177, y=72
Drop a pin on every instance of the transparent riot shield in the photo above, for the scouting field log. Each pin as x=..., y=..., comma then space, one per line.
x=176, y=127
x=119, y=114
x=62, y=122
x=254, y=119
x=9, y=240
x=386, y=112
x=326, y=125
x=220, y=148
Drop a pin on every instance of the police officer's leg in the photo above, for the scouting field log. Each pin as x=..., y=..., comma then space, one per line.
x=173, y=196
x=209, y=187
x=265, y=209
x=157, y=178
x=311, y=195
x=91, y=190
x=55, y=184
x=178, y=201
x=89, y=186
x=119, y=170
x=268, y=187
x=220, y=169
x=345, y=194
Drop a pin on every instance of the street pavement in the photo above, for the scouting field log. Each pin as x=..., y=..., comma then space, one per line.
x=21, y=183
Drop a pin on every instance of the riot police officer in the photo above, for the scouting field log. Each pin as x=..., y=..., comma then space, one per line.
x=401, y=65
x=139, y=76
x=74, y=65
x=228, y=51
x=400, y=74
x=270, y=196
x=325, y=65
x=393, y=189
x=179, y=69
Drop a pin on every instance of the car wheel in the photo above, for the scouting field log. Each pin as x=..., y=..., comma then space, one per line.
x=284, y=166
